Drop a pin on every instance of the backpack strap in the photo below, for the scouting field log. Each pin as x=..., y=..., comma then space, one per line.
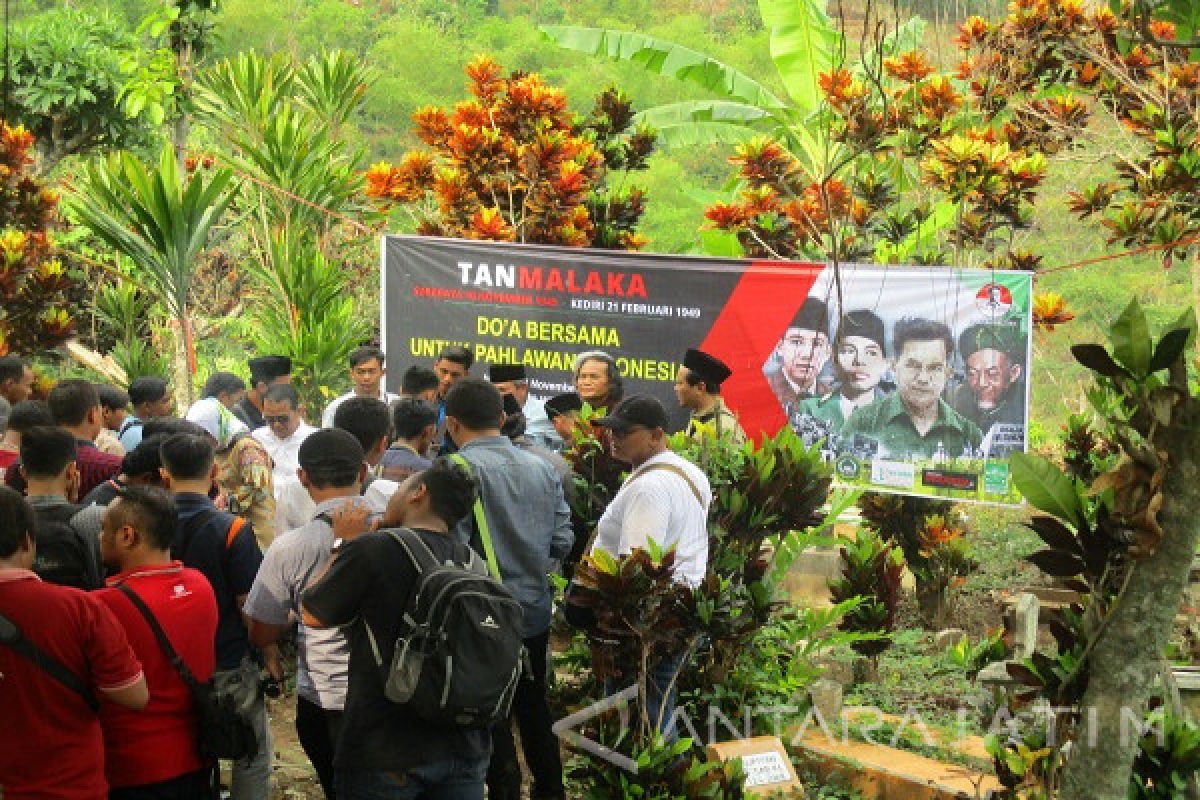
x=168, y=650
x=423, y=561
x=426, y=561
x=481, y=523
x=674, y=469
x=234, y=529
x=12, y=637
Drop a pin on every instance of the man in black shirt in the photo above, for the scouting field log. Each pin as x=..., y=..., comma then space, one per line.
x=141, y=466
x=265, y=372
x=386, y=750
x=222, y=547
x=67, y=534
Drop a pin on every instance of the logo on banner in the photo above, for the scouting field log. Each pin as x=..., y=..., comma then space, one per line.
x=995, y=477
x=994, y=299
x=899, y=474
x=848, y=467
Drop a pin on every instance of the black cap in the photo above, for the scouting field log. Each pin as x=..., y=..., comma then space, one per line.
x=511, y=406
x=503, y=373
x=562, y=403
x=1004, y=338
x=636, y=410
x=710, y=369
x=330, y=448
x=812, y=316
x=268, y=368
x=866, y=324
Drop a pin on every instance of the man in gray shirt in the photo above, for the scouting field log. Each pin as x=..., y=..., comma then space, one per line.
x=332, y=469
x=530, y=526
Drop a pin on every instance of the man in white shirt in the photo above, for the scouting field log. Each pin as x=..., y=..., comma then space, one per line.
x=665, y=498
x=285, y=430
x=366, y=373
x=332, y=470
x=369, y=422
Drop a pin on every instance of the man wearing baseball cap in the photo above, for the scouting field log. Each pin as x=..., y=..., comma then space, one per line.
x=698, y=387
x=332, y=468
x=664, y=499
x=859, y=362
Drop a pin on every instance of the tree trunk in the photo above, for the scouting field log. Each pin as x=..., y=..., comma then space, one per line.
x=934, y=607
x=1125, y=662
x=181, y=127
x=182, y=384
x=1196, y=283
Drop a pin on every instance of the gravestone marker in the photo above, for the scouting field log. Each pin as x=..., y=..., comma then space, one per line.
x=764, y=760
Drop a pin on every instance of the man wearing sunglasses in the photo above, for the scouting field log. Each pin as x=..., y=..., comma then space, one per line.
x=285, y=430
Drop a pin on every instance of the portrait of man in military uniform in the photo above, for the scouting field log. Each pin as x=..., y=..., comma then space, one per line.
x=914, y=421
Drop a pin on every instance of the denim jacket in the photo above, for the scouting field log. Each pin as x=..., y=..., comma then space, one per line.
x=529, y=520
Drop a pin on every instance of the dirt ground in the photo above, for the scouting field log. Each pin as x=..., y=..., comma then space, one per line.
x=292, y=776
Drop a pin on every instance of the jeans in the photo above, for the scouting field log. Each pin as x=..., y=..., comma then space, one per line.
x=537, y=740
x=449, y=779
x=251, y=776
x=662, y=675
x=199, y=785
x=317, y=728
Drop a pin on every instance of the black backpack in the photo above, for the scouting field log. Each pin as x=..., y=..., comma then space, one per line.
x=459, y=654
x=64, y=555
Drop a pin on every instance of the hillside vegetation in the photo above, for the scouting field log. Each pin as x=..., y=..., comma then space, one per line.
x=417, y=50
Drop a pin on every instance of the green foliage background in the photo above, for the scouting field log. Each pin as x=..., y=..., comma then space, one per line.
x=418, y=49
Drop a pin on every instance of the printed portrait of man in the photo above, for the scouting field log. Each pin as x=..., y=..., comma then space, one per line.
x=802, y=352
x=994, y=392
x=859, y=365
x=914, y=421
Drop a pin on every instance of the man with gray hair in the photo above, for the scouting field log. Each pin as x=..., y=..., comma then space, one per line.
x=598, y=379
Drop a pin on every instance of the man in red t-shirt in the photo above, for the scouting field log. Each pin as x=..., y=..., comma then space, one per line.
x=136, y=543
x=51, y=746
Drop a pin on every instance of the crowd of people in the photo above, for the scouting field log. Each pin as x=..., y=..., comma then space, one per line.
x=145, y=553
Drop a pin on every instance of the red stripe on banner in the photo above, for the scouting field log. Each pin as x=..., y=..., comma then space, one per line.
x=747, y=330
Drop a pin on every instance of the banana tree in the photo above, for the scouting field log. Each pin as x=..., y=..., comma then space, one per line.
x=161, y=220
x=804, y=43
